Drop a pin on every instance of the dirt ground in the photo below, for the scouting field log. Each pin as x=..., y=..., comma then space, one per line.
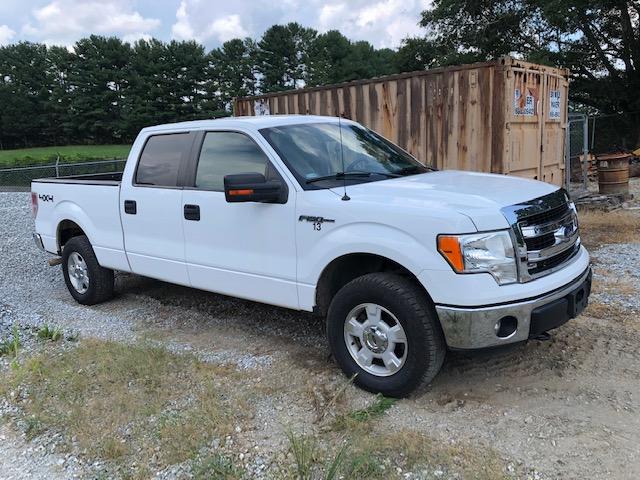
x=564, y=408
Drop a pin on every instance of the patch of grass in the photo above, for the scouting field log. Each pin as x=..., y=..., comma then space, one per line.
x=11, y=346
x=216, y=466
x=360, y=417
x=68, y=154
x=310, y=462
x=375, y=456
x=415, y=451
x=599, y=228
x=130, y=402
x=47, y=332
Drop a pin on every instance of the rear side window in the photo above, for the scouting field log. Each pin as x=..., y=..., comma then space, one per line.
x=228, y=153
x=160, y=159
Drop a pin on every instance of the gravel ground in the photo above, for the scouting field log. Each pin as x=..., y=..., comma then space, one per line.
x=566, y=408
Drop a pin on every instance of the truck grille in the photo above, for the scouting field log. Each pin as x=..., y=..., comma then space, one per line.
x=546, y=232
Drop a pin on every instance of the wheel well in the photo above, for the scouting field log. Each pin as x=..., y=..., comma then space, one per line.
x=349, y=267
x=66, y=231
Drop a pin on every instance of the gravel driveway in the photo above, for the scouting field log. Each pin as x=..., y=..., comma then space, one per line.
x=565, y=408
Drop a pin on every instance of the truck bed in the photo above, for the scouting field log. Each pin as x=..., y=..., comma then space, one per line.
x=90, y=179
x=91, y=201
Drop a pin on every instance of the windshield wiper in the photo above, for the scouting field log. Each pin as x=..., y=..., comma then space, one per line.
x=339, y=175
x=415, y=168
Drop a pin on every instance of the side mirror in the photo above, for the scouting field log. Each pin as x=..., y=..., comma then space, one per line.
x=253, y=187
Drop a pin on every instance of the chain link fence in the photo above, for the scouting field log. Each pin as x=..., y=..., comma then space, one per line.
x=577, y=149
x=19, y=178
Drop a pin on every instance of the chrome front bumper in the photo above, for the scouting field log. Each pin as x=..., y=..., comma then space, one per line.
x=475, y=327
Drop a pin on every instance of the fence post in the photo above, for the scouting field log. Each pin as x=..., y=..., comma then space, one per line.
x=567, y=157
x=585, y=150
x=57, y=164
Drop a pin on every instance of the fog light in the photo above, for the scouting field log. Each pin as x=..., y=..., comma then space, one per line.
x=506, y=326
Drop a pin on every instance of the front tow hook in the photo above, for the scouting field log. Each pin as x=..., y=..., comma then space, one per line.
x=541, y=337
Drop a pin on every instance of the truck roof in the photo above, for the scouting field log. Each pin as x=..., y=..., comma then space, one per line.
x=262, y=121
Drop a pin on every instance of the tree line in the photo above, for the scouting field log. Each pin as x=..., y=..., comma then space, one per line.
x=103, y=90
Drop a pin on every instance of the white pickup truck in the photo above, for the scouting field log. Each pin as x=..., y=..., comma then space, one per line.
x=323, y=215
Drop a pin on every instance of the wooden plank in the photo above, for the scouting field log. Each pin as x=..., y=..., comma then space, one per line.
x=360, y=108
x=401, y=124
x=313, y=97
x=335, y=103
x=374, y=108
x=302, y=103
x=483, y=130
x=291, y=103
x=499, y=128
x=346, y=102
x=324, y=102
x=416, y=108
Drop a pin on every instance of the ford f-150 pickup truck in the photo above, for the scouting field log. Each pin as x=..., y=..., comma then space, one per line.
x=321, y=214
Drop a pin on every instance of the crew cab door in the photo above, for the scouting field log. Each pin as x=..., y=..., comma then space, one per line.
x=242, y=249
x=151, y=208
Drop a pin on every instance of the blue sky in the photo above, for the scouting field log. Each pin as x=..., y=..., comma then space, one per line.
x=384, y=23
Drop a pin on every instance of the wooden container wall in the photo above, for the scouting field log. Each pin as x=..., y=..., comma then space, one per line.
x=461, y=117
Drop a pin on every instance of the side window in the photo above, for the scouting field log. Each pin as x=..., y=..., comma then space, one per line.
x=228, y=153
x=160, y=159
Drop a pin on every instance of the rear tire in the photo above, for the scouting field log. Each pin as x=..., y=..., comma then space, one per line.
x=383, y=328
x=87, y=281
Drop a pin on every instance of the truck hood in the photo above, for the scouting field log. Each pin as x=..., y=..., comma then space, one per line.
x=480, y=196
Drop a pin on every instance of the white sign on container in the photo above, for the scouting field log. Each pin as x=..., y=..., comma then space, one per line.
x=554, y=104
x=261, y=107
x=526, y=107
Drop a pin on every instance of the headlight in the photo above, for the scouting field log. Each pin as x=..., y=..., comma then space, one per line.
x=490, y=252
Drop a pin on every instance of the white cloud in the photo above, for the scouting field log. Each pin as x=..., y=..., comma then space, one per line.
x=6, y=34
x=191, y=23
x=384, y=23
x=227, y=28
x=182, y=30
x=64, y=21
x=329, y=15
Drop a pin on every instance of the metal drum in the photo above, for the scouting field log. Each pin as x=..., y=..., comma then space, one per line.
x=613, y=173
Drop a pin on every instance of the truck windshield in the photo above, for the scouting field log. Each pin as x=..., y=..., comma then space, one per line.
x=312, y=152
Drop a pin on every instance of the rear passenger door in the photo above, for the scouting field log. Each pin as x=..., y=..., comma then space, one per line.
x=242, y=249
x=151, y=208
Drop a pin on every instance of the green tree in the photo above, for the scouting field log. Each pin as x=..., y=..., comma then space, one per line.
x=183, y=79
x=283, y=56
x=60, y=119
x=24, y=95
x=99, y=78
x=328, y=59
x=417, y=54
x=147, y=101
x=232, y=72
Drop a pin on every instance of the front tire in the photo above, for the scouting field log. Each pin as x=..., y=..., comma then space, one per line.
x=383, y=329
x=87, y=281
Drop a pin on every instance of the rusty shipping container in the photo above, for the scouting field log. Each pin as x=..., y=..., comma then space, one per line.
x=505, y=116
